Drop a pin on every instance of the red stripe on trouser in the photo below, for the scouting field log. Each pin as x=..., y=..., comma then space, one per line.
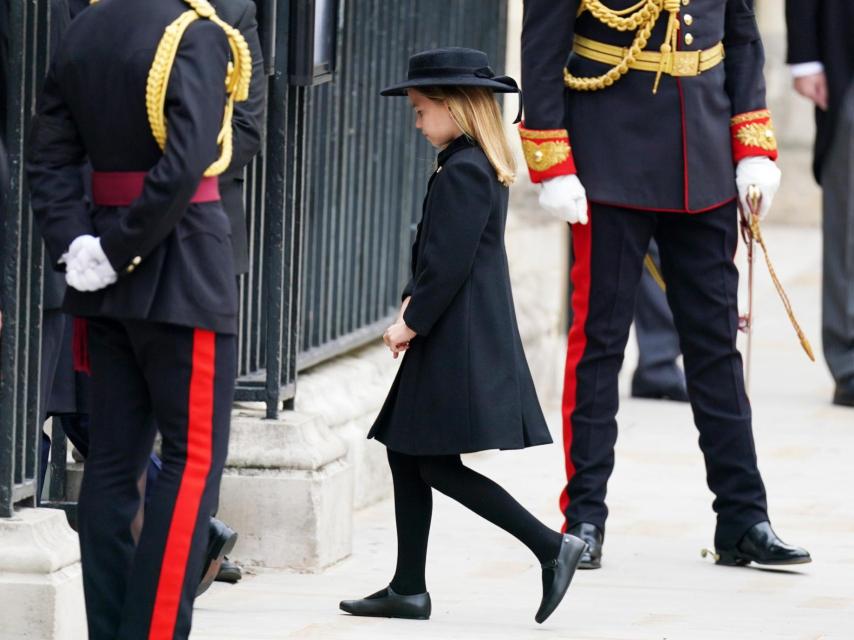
x=185, y=514
x=580, y=277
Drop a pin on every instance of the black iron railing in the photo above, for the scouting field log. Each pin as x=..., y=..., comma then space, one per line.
x=366, y=167
x=20, y=343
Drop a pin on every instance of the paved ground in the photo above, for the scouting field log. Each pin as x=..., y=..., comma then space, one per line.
x=654, y=585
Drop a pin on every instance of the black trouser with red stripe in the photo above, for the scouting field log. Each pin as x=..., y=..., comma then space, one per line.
x=185, y=378
x=697, y=264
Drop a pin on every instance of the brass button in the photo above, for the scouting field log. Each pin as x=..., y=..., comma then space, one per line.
x=688, y=19
x=133, y=264
x=686, y=2
x=538, y=155
x=689, y=39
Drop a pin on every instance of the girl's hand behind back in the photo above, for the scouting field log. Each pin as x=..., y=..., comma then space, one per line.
x=397, y=337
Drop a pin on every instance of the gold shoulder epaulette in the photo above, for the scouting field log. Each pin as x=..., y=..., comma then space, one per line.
x=237, y=77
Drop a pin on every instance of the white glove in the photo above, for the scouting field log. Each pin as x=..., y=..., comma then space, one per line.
x=86, y=265
x=565, y=198
x=764, y=174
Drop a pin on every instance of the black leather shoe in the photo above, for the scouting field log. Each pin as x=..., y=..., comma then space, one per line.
x=388, y=604
x=592, y=557
x=844, y=394
x=674, y=389
x=229, y=572
x=761, y=545
x=220, y=542
x=557, y=574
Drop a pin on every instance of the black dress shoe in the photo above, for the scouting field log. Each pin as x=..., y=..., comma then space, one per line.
x=388, y=604
x=761, y=545
x=221, y=541
x=557, y=574
x=844, y=394
x=673, y=390
x=590, y=533
x=229, y=572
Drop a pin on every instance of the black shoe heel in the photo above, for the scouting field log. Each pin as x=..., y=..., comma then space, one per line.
x=730, y=559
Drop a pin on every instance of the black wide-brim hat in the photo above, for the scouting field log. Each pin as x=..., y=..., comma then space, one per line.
x=451, y=66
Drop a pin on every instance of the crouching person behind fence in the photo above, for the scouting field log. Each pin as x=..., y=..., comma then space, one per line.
x=464, y=384
x=150, y=267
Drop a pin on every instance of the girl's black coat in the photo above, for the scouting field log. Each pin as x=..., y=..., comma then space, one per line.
x=464, y=384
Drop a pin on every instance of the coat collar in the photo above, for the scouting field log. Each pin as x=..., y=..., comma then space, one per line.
x=457, y=144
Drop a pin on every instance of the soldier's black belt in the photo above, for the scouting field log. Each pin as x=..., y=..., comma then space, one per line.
x=677, y=63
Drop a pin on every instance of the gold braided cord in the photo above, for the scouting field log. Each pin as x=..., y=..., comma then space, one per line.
x=621, y=20
x=641, y=18
x=237, y=79
x=756, y=232
x=654, y=271
x=158, y=75
x=752, y=218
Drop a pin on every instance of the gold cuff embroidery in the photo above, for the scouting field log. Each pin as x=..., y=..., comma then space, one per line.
x=544, y=156
x=757, y=134
x=750, y=116
x=542, y=134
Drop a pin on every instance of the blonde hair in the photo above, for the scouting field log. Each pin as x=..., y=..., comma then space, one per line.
x=477, y=114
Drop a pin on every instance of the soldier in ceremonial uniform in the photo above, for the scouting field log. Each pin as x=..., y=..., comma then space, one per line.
x=150, y=266
x=647, y=120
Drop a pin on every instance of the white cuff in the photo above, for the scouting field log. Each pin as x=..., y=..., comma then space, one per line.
x=803, y=69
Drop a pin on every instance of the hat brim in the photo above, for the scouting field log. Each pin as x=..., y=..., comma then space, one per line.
x=460, y=81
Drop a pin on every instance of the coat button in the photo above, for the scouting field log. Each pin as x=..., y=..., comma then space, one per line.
x=686, y=2
x=688, y=19
x=133, y=264
x=689, y=39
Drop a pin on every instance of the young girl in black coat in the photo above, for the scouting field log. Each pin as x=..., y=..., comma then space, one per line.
x=464, y=383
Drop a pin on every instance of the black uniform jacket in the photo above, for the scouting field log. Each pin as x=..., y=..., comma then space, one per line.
x=247, y=123
x=823, y=31
x=464, y=384
x=247, y=126
x=669, y=151
x=93, y=105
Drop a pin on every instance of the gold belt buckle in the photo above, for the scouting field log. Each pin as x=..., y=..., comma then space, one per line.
x=686, y=63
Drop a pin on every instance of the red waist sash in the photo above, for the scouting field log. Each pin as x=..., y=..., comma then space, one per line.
x=121, y=188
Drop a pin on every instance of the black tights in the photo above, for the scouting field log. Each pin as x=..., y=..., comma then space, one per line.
x=413, y=505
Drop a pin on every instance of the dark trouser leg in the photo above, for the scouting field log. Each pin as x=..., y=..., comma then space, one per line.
x=658, y=342
x=838, y=237
x=76, y=428
x=608, y=256
x=702, y=285
x=413, y=510
x=155, y=465
x=119, y=443
x=53, y=330
x=490, y=501
x=190, y=375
